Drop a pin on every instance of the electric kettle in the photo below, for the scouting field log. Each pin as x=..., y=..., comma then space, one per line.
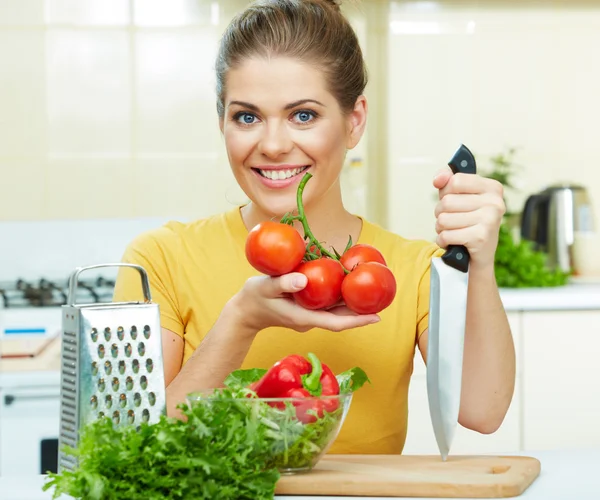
x=551, y=218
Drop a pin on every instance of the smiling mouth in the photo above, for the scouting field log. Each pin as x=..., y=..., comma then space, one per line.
x=280, y=175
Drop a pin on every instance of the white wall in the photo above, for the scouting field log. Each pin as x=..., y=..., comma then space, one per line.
x=492, y=75
x=110, y=99
x=108, y=107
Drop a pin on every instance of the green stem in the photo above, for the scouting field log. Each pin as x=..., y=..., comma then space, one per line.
x=312, y=381
x=302, y=218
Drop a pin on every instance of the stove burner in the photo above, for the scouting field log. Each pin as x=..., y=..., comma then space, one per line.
x=46, y=293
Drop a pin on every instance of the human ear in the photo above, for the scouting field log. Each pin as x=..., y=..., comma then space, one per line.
x=356, y=122
x=221, y=123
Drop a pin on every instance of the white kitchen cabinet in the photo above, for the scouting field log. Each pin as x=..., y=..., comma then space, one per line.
x=561, y=379
x=420, y=438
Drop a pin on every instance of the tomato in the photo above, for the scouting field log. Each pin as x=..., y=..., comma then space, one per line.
x=315, y=250
x=369, y=288
x=361, y=253
x=324, y=287
x=274, y=248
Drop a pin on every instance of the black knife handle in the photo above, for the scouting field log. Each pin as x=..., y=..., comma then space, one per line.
x=463, y=161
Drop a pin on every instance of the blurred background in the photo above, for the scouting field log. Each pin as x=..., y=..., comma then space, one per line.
x=108, y=127
x=108, y=111
x=108, y=108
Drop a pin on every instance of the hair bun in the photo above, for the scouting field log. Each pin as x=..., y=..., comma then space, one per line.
x=334, y=3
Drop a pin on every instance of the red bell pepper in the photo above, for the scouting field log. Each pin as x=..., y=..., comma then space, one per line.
x=299, y=361
x=329, y=387
x=284, y=375
x=303, y=403
x=296, y=377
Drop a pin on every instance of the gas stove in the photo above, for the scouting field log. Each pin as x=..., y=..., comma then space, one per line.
x=47, y=293
x=33, y=307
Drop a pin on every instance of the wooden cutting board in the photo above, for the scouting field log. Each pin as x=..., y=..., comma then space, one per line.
x=24, y=348
x=463, y=476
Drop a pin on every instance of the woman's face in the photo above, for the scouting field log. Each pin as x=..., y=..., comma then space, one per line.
x=280, y=122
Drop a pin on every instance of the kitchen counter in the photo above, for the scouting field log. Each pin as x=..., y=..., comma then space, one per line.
x=578, y=295
x=43, y=369
x=46, y=360
x=565, y=474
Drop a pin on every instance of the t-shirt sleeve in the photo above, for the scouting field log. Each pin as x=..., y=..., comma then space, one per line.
x=423, y=293
x=147, y=251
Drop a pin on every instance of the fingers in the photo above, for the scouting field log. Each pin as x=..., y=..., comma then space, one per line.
x=456, y=220
x=289, y=283
x=469, y=213
x=341, y=310
x=470, y=202
x=454, y=237
x=442, y=177
x=469, y=184
x=337, y=320
x=282, y=310
x=458, y=203
x=273, y=287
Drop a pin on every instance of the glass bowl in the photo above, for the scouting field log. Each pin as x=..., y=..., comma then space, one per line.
x=298, y=431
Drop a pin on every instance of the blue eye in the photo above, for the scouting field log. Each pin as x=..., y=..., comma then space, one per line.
x=245, y=118
x=305, y=116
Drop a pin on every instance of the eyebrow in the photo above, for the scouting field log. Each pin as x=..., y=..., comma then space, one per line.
x=291, y=105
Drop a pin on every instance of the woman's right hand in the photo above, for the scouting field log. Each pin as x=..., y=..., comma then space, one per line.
x=266, y=301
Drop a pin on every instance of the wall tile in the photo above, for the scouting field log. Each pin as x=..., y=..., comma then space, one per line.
x=175, y=12
x=22, y=94
x=89, y=94
x=22, y=185
x=90, y=188
x=176, y=105
x=76, y=242
x=185, y=188
x=516, y=82
x=432, y=80
x=577, y=103
x=21, y=12
x=88, y=12
x=533, y=75
x=412, y=197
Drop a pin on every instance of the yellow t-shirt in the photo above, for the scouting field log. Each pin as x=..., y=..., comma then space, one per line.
x=195, y=268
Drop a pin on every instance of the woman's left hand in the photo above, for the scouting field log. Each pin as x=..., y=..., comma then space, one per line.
x=469, y=212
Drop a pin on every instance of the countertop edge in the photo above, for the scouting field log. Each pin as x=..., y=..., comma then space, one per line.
x=568, y=473
x=580, y=296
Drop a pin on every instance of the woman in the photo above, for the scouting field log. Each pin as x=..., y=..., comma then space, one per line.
x=290, y=82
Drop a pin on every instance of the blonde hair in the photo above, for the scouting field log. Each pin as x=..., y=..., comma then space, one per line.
x=313, y=31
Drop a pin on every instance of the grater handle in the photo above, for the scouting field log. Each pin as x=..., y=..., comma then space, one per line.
x=74, y=279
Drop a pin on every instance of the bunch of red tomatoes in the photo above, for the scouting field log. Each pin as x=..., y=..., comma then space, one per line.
x=359, y=277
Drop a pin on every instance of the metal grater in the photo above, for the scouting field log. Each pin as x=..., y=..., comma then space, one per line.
x=111, y=363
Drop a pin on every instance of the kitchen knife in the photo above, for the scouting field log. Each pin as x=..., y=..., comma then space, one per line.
x=446, y=335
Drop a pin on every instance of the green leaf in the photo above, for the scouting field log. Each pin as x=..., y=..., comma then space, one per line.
x=349, y=244
x=520, y=265
x=352, y=380
x=221, y=451
x=238, y=379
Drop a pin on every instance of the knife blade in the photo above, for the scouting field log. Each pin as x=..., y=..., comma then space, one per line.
x=446, y=331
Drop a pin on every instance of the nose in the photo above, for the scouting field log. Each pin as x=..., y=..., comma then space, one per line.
x=275, y=140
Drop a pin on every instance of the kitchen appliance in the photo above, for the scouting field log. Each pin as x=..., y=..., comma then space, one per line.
x=33, y=307
x=551, y=218
x=29, y=410
x=30, y=317
x=414, y=476
x=111, y=363
x=446, y=333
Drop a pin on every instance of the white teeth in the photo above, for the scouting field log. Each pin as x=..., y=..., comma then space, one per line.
x=281, y=174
